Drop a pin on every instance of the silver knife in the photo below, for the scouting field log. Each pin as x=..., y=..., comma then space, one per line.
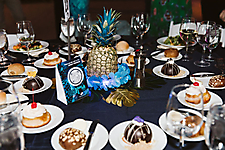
x=13, y=76
x=91, y=131
x=203, y=75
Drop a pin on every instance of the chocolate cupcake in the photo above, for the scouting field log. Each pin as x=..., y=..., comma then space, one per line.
x=33, y=83
x=138, y=131
x=170, y=68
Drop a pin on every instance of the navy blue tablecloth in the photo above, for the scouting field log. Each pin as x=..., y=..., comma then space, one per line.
x=151, y=104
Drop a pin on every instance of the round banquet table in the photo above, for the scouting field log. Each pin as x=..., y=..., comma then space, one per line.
x=150, y=106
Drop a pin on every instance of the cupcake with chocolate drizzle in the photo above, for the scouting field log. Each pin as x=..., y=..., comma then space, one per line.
x=170, y=68
x=33, y=82
x=138, y=131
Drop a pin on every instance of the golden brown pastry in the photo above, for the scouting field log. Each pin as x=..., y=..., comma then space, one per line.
x=15, y=69
x=75, y=48
x=52, y=59
x=2, y=97
x=217, y=81
x=171, y=53
x=130, y=59
x=122, y=46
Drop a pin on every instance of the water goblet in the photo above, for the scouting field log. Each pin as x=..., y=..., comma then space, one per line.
x=188, y=33
x=3, y=48
x=203, y=40
x=183, y=121
x=84, y=25
x=214, y=40
x=140, y=24
x=11, y=136
x=215, y=128
x=25, y=35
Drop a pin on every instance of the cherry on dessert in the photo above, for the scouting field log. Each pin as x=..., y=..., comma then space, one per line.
x=34, y=105
x=50, y=53
x=196, y=84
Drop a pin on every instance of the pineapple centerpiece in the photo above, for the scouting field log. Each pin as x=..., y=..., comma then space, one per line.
x=102, y=59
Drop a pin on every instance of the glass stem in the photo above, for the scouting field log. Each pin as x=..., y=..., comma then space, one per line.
x=203, y=55
x=210, y=53
x=136, y=40
x=181, y=140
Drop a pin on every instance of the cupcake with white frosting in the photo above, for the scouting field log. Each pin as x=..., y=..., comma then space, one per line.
x=52, y=59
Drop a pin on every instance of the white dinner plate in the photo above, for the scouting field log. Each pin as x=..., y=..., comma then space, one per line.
x=57, y=116
x=123, y=60
x=183, y=72
x=39, y=63
x=27, y=68
x=11, y=98
x=18, y=86
x=83, y=50
x=99, y=139
x=205, y=80
x=163, y=125
x=128, y=51
x=162, y=57
x=116, y=134
x=43, y=43
x=161, y=41
x=66, y=54
x=214, y=100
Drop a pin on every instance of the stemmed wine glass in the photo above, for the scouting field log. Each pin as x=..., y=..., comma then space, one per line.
x=25, y=35
x=140, y=24
x=11, y=136
x=188, y=33
x=215, y=128
x=203, y=39
x=3, y=48
x=84, y=25
x=64, y=27
x=183, y=121
x=214, y=40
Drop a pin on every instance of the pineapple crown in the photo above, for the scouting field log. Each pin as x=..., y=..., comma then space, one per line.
x=104, y=30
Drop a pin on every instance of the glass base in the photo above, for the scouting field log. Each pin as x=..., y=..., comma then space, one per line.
x=4, y=64
x=211, y=59
x=186, y=58
x=28, y=61
x=202, y=63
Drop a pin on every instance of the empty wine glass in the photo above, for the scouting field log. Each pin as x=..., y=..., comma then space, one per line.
x=215, y=128
x=140, y=24
x=64, y=27
x=203, y=40
x=84, y=25
x=188, y=33
x=25, y=35
x=3, y=48
x=214, y=40
x=11, y=135
x=183, y=121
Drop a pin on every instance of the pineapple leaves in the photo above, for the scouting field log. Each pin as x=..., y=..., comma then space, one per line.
x=123, y=97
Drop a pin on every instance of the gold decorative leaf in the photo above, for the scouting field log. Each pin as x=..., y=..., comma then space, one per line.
x=123, y=97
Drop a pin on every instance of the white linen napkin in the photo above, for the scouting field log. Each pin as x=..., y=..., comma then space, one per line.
x=167, y=47
x=174, y=29
x=64, y=39
x=35, y=54
x=222, y=39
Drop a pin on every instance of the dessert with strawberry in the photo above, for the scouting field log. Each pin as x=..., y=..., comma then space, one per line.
x=193, y=93
x=35, y=115
x=51, y=59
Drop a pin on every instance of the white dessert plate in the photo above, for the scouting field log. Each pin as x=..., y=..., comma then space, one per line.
x=163, y=125
x=161, y=41
x=183, y=73
x=18, y=87
x=116, y=133
x=11, y=98
x=128, y=51
x=99, y=139
x=39, y=63
x=66, y=54
x=205, y=80
x=83, y=50
x=161, y=56
x=57, y=116
x=43, y=43
x=215, y=100
x=27, y=68
x=123, y=60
